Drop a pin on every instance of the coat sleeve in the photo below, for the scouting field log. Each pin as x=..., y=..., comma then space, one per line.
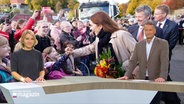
x=130, y=43
x=58, y=64
x=28, y=26
x=164, y=57
x=86, y=50
x=174, y=36
x=132, y=63
x=5, y=34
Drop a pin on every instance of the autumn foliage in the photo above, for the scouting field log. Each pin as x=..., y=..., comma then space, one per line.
x=174, y=4
x=133, y=4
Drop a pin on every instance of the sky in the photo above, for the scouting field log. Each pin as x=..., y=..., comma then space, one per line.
x=112, y=1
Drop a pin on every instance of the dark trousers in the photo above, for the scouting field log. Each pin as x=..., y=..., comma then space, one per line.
x=157, y=98
x=167, y=97
x=170, y=97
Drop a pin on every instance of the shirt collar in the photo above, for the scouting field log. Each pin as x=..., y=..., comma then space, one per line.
x=151, y=40
x=163, y=22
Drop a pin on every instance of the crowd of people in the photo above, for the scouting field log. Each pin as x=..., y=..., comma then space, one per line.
x=32, y=50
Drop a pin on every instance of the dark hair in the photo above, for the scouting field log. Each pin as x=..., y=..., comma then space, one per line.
x=19, y=22
x=101, y=18
x=68, y=42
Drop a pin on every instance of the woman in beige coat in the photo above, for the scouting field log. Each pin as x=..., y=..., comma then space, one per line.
x=108, y=34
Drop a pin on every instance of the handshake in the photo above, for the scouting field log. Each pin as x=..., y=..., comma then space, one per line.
x=68, y=50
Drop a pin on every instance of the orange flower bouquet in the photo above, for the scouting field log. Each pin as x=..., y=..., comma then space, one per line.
x=106, y=67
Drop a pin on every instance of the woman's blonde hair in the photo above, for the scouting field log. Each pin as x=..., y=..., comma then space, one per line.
x=3, y=40
x=48, y=50
x=18, y=46
x=24, y=35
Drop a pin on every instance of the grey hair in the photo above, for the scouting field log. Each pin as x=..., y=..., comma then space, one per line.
x=149, y=22
x=64, y=24
x=144, y=8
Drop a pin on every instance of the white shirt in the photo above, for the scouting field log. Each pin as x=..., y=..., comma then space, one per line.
x=163, y=22
x=148, y=49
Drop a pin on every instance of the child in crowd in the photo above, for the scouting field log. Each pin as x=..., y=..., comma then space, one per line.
x=64, y=64
x=5, y=73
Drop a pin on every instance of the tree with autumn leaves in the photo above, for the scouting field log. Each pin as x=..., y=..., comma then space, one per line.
x=133, y=4
x=4, y=2
x=173, y=4
x=56, y=5
x=122, y=7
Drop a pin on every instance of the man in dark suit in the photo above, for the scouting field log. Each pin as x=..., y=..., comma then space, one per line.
x=142, y=14
x=171, y=34
x=170, y=28
x=153, y=62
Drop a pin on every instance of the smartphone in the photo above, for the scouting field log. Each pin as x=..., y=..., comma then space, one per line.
x=39, y=15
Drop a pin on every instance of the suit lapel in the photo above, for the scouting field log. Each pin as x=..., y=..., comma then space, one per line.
x=135, y=31
x=144, y=51
x=166, y=26
x=154, y=45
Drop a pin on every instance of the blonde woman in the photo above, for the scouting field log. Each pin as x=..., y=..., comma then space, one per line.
x=27, y=63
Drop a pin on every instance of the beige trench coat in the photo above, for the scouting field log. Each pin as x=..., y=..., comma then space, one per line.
x=123, y=44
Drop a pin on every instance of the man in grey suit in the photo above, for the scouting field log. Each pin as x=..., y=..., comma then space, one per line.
x=152, y=57
x=153, y=62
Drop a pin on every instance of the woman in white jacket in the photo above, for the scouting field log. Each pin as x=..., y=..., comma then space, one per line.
x=108, y=34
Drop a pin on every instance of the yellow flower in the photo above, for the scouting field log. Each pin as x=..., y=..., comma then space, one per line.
x=103, y=63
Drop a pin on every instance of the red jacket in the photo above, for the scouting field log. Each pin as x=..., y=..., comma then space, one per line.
x=5, y=34
x=28, y=26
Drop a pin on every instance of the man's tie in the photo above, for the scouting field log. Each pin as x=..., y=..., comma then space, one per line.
x=141, y=35
x=159, y=24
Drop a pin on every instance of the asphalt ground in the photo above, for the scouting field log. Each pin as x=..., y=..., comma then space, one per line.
x=177, y=67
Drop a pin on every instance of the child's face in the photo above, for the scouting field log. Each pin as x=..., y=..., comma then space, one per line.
x=53, y=54
x=70, y=47
x=4, y=50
